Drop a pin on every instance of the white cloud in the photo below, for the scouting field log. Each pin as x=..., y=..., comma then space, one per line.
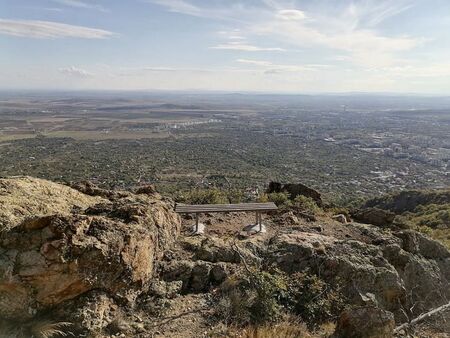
x=75, y=71
x=271, y=68
x=50, y=30
x=345, y=26
x=181, y=6
x=80, y=4
x=239, y=46
x=291, y=14
x=259, y=63
x=238, y=42
x=342, y=32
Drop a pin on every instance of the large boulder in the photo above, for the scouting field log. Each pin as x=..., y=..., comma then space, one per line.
x=27, y=197
x=110, y=246
x=365, y=275
x=375, y=216
x=380, y=269
x=365, y=322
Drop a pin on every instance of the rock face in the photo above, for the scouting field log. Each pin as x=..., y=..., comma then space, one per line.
x=375, y=216
x=294, y=190
x=26, y=197
x=365, y=322
x=110, y=245
x=381, y=269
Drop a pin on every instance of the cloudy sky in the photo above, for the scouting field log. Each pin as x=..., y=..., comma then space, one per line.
x=294, y=46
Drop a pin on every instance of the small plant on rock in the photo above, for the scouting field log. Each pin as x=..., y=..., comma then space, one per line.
x=252, y=297
x=313, y=299
x=306, y=204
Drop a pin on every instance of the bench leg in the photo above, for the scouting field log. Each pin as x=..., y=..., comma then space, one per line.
x=258, y=221
x=196, y=223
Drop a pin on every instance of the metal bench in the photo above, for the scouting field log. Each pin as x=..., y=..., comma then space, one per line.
x=197, y=209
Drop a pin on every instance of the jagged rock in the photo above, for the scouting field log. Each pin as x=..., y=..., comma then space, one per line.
x=417, y=243
x=195, y=276
x=294, y=190
x=91, y=312
x=360, y=267
x=200, y=278
x=424, y=266
x=375, y=216
x=340, y=218
x=177, y=270
x=386, y=272
x=219, y=272
x=28, y=198
x=365, y=322
x=162, y=289
x=89, y=188
x=46, y=261
x=216, y=250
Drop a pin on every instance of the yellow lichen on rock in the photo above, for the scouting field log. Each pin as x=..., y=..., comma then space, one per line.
x=24, y=197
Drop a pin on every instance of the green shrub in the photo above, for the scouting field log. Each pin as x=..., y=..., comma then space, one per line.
x=210, y=196
x=314, y=300
x=264, y=198
x=203, y=196
x=259, y=297
x=306, y=204
x=252, y=297
x=270, y=289
x=235, y=195
x=281, y=199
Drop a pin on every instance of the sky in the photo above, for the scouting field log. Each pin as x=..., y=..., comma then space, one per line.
x=276, y=46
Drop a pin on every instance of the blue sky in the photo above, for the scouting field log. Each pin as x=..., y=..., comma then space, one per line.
x=400, y=46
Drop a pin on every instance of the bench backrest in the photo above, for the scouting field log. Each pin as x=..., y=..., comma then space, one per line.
x=201, y=208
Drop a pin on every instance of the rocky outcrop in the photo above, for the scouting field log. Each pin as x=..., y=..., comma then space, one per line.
x=375, y=216
x=382, y=272
x=365, y=322
x=102, y=259
x=26, y=198
x=103, y=244
x=294, y=190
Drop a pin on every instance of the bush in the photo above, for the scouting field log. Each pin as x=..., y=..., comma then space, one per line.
x=306, y=204
x=314, y=300
x=253, y=297
x=235, y=195
x=270, y=290
x=210, y=196
x=281, y=199
x=204, y=196
x=264, y=198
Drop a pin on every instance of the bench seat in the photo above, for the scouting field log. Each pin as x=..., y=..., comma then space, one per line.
x=209, y=208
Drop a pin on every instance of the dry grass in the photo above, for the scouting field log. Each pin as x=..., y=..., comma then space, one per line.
x=282, y=330
x=25, y=197
x=38, y=328
x=46, y=329
x=286, y=329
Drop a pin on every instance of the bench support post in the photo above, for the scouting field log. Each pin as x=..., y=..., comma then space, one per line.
x=196, y=222
x=258, y=221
